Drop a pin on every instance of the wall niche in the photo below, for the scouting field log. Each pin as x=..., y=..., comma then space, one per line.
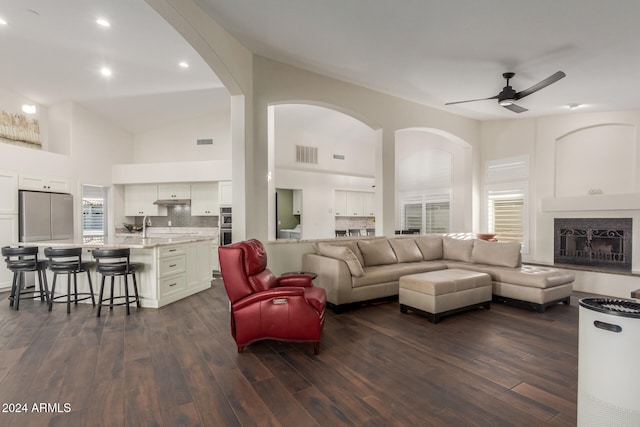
x=596, y=160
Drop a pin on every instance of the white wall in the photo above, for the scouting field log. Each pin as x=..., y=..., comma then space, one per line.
x=277, y=83
x=541, y=139
x=436, y=162
x=177, y=141
x=318, y=198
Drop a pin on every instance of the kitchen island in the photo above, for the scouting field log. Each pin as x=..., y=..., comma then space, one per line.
x=173, y=266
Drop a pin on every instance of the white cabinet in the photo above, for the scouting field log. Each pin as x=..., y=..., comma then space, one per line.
x=368, y=204
x=139, y=198
x=340, y=203
x=172, y=265
x=354, y=203
x=204, y=199
x=225, y=196
x=8, y=236
x=174, y=191
x=215, y=263
x=9, y=192
x=199, y=269
x=297, y=202
x=43, y=183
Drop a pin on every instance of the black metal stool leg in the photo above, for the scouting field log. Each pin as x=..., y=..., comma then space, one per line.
x=126, y=293
x=43, y=282
x=14, y=287
x=100, y=296
x=69, y=293
x=135, y=289
x=93, y=299
x=111, y=299
x=75, y=287
x=19, y=290
x=53, y=290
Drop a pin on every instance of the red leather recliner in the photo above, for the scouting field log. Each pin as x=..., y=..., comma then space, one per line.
x=263, y=306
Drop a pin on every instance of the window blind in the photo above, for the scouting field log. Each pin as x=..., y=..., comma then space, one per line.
x=506, y=214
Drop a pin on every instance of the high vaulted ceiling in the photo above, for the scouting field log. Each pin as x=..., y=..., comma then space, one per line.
x=434, y=51
x=428, y=51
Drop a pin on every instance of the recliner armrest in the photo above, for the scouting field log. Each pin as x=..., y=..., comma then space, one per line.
x=282, y=292
x=296, y=280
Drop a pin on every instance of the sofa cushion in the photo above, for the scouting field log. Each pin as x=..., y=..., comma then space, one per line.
x=343, y=253
x=406, y=250
x=389, y=273
x=504, y=254
x=457, y=249
x=377, y=252
x=351, y=244
x=431, y=247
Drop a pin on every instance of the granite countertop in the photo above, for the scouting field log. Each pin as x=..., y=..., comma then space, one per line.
x=132, y=241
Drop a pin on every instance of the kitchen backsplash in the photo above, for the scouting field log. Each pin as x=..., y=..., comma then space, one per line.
x=346, y=223
x=180, y=216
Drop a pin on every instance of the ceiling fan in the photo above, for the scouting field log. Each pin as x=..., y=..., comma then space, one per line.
x=508, y=96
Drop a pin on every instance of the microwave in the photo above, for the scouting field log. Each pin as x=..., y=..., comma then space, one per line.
x=226, y=220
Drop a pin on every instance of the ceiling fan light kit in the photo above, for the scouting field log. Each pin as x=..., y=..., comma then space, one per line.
x=508, y=96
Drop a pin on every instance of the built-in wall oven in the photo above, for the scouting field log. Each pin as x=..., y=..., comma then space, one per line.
x=226, y=223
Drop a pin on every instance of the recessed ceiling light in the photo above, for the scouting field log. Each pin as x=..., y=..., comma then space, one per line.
x=573, y=106
x=103, y=22
x=3, y=22
x=184, y=64
x=105, y=71
x=29, y=109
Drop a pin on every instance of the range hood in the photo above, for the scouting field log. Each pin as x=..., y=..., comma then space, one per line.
x=173, y=202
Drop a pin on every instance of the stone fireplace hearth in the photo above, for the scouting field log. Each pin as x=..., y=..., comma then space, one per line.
x=599, y=243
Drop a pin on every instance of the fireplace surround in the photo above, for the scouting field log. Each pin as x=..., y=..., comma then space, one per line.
x=599, y=243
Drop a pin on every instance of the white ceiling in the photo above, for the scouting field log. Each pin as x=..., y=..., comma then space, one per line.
x=52, y=52
x=434, y=51
x=428, y=51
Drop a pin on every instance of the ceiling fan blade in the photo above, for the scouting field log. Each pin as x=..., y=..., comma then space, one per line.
x=515, y=108
x=471, y=100
x=541, y=85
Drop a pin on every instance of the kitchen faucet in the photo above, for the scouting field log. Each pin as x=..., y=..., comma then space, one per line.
x=144, y=227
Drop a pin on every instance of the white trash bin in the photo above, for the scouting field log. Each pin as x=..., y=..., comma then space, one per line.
x=609, y=363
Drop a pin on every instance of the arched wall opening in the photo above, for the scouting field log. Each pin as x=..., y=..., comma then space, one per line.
x=433, y=168
x=315, y=150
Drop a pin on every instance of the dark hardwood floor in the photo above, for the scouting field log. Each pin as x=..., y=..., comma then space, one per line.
x=178, y=366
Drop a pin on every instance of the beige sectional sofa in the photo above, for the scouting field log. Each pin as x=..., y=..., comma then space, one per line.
x=358, y=270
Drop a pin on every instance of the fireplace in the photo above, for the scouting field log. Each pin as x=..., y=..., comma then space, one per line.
x=600, y=243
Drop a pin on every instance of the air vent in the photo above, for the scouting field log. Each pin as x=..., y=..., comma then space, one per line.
x=338, y=156
x=206, y=141
x=307, y=155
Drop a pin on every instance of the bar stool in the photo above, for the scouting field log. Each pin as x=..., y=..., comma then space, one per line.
x=69, y=261
x=112, y=263
x=19, y=261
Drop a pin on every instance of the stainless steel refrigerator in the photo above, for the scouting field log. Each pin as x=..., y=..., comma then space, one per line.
x=45, y=216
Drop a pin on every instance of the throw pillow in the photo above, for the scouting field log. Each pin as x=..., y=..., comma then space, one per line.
x=504, y=254
x=377, y=252
x=353, y=245
x=457, y=249
x=343, y=253
x=406, y=250
x=431, y=247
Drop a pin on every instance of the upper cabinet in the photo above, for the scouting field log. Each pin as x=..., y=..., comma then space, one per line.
x=9, y=191
x=354, y=203
x=139, y=200
x=43, y=183
x=341, y=203
x=224, y=193
x=174, y=191
x=368, y=204
x=297, y=202
x=204, y=199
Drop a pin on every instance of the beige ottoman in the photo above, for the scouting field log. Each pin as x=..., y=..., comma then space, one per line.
x=436, y=294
